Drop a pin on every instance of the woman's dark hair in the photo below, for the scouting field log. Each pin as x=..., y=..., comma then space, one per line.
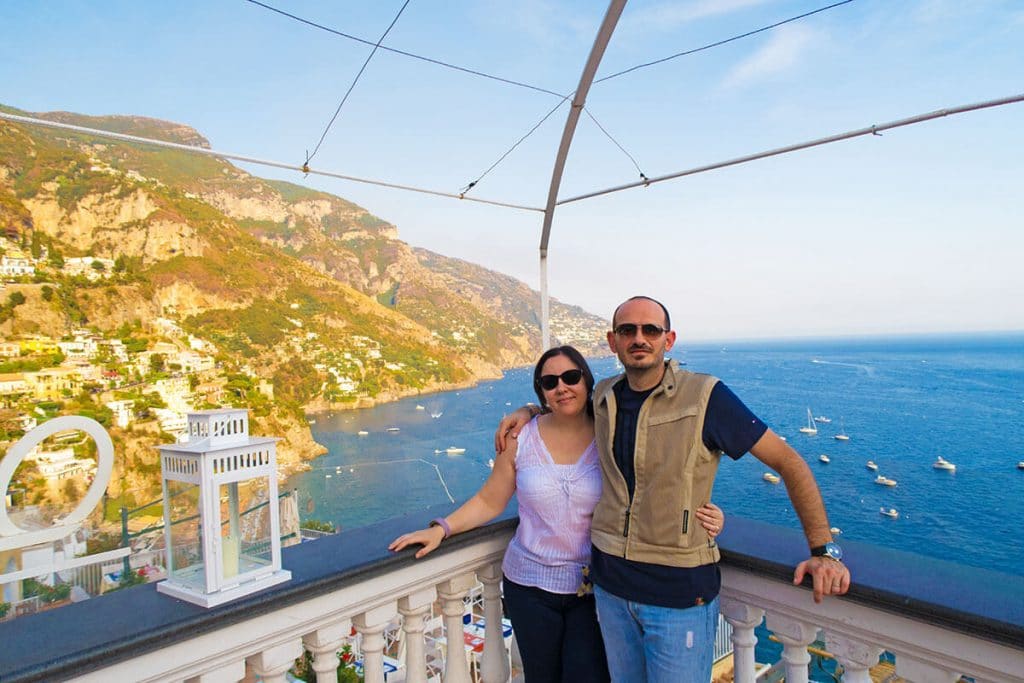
x=578, y=360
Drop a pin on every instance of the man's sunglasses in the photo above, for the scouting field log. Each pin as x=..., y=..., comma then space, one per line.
x=569, y=377
x=650, y=330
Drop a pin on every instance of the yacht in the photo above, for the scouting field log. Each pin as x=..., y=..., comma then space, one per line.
x=824, y=458
x=889, y=512
x=452, y=450
x=362, y=432
x=393, y=429
x=420, y=408
x=884, y=481
x=770, y=477
x=872, y=466
x=836, y=531
x=1020, y=465
x=943, y=464
x=841, y=436
x=823, y=420
x=810, y=428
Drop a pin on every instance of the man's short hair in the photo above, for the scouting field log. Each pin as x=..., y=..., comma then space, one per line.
x=668, y=320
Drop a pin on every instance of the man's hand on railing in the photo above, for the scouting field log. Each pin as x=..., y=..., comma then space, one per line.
x=830, y=577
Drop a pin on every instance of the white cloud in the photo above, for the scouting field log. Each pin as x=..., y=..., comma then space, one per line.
x=782, y=51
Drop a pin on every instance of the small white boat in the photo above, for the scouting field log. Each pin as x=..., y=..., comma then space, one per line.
x=841, y=436
x=490, y=463
x=884, y=481
x=1020, y=465
x=393, y=429
x=438, y=451
x=943, y=464
x=810, y=428
x=327, y=476
x=770, y=478
x=437, y=414
x=782, y=438
x=824, y=458
x=420, y=408
x=311, y=421
x=836, y=531
x=889, y=512
x=872, y=466
x=823, y=420
x=452, y=450
x=362, y=432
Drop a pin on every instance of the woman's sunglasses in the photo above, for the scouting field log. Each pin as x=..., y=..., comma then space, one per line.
x=569, y=377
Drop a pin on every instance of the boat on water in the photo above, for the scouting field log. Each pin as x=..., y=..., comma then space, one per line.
x=770, y=477
x=811, y=428
x=1020, y=465
x=362, y=432
x=438, y=451
x=782, y=438
x=824, y=458
x=490, y=463
x=841, y=436
x=452, y=450
x=420, y=408
x=438, y=414
x=943, y=464
x=889, y=512
x=393, y=429
x=872, y=466
x=884, y=481
x=823, y=420
x=836, y=531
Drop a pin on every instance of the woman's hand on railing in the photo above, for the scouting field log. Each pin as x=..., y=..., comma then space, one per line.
x=429, y=538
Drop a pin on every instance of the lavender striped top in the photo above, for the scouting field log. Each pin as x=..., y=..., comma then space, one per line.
x=556, y=504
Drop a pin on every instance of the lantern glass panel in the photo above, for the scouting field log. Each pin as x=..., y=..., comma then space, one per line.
x=187, y=563
x=244, y=528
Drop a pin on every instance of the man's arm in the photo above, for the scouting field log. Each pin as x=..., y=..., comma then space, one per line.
x=830, y=576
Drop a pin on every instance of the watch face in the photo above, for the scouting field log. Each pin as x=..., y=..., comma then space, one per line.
x=834, y=551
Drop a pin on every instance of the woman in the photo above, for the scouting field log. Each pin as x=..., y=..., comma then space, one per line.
x=554, y=470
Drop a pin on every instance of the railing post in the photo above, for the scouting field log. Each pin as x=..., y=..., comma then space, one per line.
x=494, y=665
x=324, y=644
x=371, y=625
x=273, y=663
x=414, y=609
x=795, y=636
x=452, y=593
x=126, y=565
x=856, y=656
x=744, y=619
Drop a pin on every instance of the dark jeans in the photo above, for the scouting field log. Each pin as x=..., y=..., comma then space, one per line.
x=558, y=636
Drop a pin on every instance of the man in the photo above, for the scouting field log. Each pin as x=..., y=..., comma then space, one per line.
x=660, y=433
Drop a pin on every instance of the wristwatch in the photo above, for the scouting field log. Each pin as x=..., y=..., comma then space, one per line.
x=830, y=550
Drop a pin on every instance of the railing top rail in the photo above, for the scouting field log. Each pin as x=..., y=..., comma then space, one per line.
x=97, y=633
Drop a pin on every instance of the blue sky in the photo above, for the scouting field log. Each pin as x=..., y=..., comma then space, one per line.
x=918, y=230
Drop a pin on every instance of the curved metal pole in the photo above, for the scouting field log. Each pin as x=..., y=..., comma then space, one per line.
x=604, y=34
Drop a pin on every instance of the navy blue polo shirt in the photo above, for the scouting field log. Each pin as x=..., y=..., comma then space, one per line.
x=730, y=427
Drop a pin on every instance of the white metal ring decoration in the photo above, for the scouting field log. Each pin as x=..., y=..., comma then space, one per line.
x=13, y=536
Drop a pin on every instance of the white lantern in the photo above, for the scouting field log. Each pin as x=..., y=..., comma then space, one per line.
x=221, y=520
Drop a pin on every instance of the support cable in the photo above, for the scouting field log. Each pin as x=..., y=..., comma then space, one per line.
x=586, y=111
x=251, y=160
x=472, y=184
x=870, y=130
x=309, y=157
x=396, y=51
x=721, y=42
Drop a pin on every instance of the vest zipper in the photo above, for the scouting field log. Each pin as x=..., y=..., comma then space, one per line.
x=686, y=520
x=625, y=529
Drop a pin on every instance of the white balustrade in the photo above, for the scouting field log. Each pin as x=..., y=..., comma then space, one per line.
x=269, y=641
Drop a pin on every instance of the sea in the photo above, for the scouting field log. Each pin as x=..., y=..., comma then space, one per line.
x=903, y=402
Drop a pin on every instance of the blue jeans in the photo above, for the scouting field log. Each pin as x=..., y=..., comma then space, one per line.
x=647, y=643
x=558, y=637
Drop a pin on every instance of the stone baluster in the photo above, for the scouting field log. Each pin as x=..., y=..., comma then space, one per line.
x=856, y=656
x=744, y=619
x=414, y=609
x=918, y=670
x=324, y=644
x=273, y=663
x=795, y=636
x=452, y=593
x=370, y=625
x=228, y=673
x=494, y=665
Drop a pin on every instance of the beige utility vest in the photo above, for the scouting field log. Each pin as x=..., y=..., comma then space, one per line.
x=675, y=473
